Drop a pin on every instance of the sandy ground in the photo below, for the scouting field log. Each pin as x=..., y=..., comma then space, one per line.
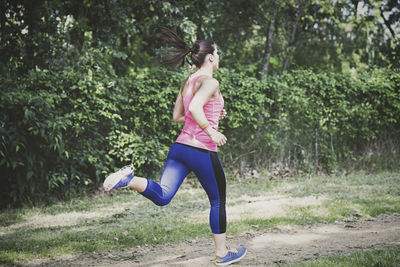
x=265, y=248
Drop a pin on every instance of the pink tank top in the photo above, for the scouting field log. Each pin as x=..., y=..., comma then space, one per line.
x=192, y=134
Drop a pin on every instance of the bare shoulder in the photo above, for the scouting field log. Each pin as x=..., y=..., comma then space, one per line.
x=210, y=82
x=206, y=84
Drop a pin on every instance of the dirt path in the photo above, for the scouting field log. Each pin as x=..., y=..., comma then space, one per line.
x=269, y=248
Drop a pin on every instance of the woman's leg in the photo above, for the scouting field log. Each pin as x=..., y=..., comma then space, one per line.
x=138, y=183
x=212, y=177
x=173, y=175
x=208, y=169
x=220, y=244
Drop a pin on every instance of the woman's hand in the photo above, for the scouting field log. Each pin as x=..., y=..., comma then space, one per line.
x=216, y=136
x=223, y=114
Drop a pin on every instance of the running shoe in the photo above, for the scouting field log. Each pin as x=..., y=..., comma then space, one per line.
x=232, y=256
x=119, y=179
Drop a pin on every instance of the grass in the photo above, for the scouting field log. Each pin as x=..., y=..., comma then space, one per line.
x=381, y=257
x=127, y=219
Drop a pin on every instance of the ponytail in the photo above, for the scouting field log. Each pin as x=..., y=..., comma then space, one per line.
x=178, y=56
x=181, y=51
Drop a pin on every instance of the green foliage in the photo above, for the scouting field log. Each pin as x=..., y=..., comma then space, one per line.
x=64, y=129
x=327, y=36
x=51, y=119
x=304, y=119
x=78, y=99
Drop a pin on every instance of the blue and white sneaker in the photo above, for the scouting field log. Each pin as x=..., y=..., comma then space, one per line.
x=119, y=179
x=232, y=256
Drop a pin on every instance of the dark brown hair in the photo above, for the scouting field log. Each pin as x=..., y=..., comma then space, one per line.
x=198, y=51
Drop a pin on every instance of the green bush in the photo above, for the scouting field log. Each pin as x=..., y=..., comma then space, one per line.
x=64, y=129
x=335, y=120
x=53, y=128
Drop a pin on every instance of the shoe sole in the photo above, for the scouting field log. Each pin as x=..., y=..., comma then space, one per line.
x=227, y=263
x=111, y=181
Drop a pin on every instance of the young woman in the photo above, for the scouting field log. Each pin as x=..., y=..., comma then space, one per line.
x=200, y=106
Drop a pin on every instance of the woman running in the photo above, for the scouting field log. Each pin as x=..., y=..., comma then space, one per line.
x=200, y=106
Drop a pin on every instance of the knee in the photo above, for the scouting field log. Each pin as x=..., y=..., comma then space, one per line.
x=218, y=202
x=163, y=201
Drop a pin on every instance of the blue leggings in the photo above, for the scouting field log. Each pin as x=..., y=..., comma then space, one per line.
x=181, y=160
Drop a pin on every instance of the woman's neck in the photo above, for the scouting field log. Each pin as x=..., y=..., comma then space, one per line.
x=204, y=71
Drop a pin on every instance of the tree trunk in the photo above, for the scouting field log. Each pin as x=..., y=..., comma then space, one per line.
x=270, y=36
x=316, y=146
x=355, y=4
x=32, y=15
x=292, y=40
x=5, y=36
x=387, y=23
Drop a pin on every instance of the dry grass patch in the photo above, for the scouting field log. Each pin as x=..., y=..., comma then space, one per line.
x=72, y=218
x=263, y=207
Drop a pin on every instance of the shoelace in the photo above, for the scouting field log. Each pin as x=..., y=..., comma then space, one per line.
x=232, y=251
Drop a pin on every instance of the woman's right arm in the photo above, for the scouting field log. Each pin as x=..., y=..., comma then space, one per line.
x=206, y=91
x=179, y=111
